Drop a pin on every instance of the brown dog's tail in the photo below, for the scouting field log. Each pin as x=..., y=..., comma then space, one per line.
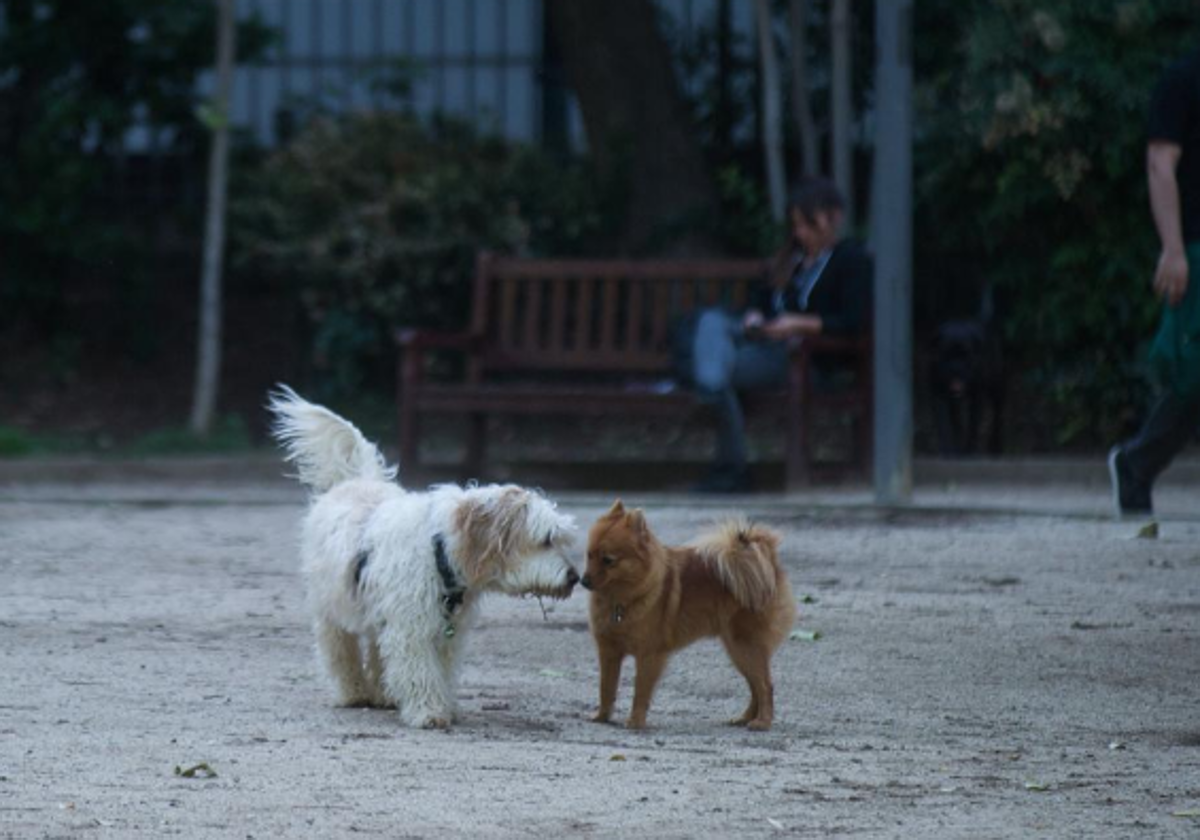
x=745, y=558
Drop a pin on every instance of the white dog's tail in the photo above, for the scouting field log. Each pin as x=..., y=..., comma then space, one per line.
x=325, y=448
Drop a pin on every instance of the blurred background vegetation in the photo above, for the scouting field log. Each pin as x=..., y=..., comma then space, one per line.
x=355, y=220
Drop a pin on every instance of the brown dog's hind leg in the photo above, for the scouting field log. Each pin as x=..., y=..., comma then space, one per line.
x=753, y=661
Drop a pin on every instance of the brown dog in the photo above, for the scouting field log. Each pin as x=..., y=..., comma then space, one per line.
x=649, y=600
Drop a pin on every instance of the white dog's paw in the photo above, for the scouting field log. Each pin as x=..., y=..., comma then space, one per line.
x=355, y=703
x=434, y=722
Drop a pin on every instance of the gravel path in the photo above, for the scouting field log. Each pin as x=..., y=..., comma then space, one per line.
x=1000, y=675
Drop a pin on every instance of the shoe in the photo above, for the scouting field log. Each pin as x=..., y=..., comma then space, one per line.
x=1129, y=496
x=724, y=481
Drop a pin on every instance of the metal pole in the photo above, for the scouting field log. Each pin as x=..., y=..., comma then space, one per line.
x=891, y=221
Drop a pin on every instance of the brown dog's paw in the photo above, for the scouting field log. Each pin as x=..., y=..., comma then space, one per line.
x=636, y=724
x=758, y=725
x=600, y=717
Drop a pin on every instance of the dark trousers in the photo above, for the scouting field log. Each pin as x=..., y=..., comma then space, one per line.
x=1165, y=433
x=723, y=363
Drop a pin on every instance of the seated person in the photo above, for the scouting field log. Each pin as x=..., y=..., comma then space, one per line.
x=819, y=283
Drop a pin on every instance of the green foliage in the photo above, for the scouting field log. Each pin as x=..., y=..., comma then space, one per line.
x=375, y=220
x=1031, y=177
x=749, y=228
x=14, y=442
x=74, y=79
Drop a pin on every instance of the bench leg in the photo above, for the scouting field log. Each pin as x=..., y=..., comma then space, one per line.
x=796, y=448
x=476, y=445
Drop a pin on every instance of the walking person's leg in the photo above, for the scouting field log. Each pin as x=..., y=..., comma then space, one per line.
x=1136, y=464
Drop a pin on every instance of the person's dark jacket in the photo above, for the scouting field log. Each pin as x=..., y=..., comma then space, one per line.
x=841, y=296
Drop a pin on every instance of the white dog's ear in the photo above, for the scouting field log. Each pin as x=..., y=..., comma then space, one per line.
x=489, y=527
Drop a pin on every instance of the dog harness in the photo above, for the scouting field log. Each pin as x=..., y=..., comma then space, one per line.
x=360, y=563
x=453, y=590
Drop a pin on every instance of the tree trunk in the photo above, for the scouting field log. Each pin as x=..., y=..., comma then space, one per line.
x=841, y=104
x=639, y=130
x=806, y=128
x=208, y=345
x=772, y=122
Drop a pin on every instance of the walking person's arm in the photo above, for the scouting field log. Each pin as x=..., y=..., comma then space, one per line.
x=1171, y=276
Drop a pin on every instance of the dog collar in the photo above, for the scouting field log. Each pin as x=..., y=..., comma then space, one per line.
x=453, y=590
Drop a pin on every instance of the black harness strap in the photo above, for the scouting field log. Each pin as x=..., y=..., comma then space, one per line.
x=360, y=563
x=452, y=588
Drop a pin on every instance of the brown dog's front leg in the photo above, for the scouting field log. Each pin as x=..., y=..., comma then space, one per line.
x=610, y=677
x=649, y=669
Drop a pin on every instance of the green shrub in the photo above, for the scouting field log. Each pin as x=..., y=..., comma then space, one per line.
x=74, y=79
x=14, y=442
x=1030, y=167
x=374, y=222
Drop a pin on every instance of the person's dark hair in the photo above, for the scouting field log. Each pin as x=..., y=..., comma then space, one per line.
x=810, y=197
x=815, y=195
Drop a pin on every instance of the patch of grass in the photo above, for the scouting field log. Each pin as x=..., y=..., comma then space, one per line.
x=228, y=435
x=14, y=442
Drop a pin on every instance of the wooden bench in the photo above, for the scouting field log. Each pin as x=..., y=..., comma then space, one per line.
x=593, y=337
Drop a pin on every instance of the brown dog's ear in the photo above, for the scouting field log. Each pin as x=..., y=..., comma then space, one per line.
x=636, y=520
x=618, y=509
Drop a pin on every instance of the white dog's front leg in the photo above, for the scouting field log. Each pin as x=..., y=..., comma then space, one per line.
x=343, y=659
x=415, y=679
x=374, y=674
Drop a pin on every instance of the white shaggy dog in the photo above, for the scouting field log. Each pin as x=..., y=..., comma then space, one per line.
x=394, y=577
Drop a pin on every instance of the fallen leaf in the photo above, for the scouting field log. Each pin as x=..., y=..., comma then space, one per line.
x=1189, y=812
x=617, y=757
x=196, y=771
x=804, y=636
x=550, y=672
x=1036, y=786
x=1149, y=531
x=1117, y=745
x=808, y=599
x=775, y=824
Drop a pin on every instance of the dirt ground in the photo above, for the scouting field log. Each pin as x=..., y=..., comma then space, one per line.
x=985, y=674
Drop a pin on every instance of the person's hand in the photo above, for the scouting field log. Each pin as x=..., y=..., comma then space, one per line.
x=791, y=325
x=1171, y=277
x=753, y=320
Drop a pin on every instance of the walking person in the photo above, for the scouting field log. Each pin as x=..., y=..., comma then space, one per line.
x=1173, y=174
x=819, y=283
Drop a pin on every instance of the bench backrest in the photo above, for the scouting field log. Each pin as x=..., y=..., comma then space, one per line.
x=595, y=315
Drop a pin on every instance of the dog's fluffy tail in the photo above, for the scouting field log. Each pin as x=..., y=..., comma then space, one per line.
x=745, y=558
x=325, y=448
